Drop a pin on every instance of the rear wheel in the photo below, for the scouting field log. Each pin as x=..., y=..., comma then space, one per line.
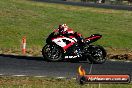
x=98, y=55
x=52, y=52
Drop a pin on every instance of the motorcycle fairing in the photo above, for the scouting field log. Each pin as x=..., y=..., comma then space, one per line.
x=63, y=42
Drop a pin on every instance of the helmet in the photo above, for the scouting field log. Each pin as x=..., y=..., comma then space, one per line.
x=62, y=28
x=65, y=27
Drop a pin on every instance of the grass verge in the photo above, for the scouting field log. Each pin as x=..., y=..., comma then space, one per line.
x=36, y=20
x=33, y=82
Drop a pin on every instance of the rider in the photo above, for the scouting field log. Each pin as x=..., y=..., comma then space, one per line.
x=65, y=30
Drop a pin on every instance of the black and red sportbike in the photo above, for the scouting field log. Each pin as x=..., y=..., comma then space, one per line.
x=62, y=47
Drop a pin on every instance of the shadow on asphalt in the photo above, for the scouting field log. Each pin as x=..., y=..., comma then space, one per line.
x=23, y=57
x=86, y=4
x=33, y=58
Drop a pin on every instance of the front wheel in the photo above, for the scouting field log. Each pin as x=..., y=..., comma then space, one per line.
x=98, y=55
x=52, y=52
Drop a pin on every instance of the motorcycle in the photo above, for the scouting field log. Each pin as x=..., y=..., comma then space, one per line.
x=61, y=47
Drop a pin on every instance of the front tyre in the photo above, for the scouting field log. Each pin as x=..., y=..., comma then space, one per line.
x=98, y=55
x=52, y=52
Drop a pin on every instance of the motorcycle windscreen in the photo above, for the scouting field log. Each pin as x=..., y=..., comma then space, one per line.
x=63, y=42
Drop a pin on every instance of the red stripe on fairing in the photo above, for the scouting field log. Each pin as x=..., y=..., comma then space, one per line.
x=71, y=37
x=93, y=37
x=58, y=37
x=67, y=46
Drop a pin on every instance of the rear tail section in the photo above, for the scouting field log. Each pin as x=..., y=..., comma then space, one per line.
x=93, y=38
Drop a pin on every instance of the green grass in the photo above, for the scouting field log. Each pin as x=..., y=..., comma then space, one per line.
x=36, y=20
x=32, y=82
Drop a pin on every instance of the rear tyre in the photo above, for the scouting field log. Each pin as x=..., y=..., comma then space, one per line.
x=52, y=52
x=97, y=55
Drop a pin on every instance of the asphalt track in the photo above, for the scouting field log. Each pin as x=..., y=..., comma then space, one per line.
x=88, y=4
x=36, y=66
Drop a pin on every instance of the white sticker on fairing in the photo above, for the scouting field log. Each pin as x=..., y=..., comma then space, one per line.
x=74, y=39
x=59, y=41
x=71, y=56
